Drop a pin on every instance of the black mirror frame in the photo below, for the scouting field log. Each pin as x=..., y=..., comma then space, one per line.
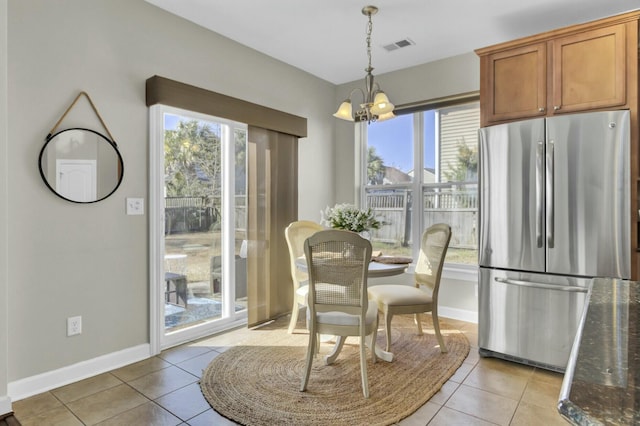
x=109, y=141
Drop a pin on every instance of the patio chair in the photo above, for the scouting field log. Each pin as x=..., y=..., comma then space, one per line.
x=338, y=305
x=295, y=234
x=395, y=299
x=215, y=276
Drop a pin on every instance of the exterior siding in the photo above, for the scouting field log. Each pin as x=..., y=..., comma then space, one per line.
x=457, y=124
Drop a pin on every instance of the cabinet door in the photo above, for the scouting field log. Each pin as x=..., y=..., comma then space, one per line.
x=589, y=70
x=516, y=82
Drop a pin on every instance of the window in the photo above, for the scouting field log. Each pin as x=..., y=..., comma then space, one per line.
x=442, y=146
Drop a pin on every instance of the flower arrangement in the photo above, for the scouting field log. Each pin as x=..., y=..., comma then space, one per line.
x=349, y=217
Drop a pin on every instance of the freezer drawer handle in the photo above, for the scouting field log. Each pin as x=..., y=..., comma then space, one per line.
x=542, y=285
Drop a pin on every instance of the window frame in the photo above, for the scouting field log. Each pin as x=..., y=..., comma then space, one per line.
x=159, y=338
x=458, y=271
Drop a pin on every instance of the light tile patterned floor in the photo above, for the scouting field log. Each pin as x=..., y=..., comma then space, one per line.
x=164, y=390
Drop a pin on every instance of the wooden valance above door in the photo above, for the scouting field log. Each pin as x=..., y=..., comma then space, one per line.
x=161, y=90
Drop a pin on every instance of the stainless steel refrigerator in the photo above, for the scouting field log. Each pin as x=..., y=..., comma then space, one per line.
x=554, y=212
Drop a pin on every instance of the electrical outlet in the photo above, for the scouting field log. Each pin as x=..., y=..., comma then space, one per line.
x=135, y=206
x=74, y=326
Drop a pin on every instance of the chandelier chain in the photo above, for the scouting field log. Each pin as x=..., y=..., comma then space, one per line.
x=375, y=104
x=369, y=30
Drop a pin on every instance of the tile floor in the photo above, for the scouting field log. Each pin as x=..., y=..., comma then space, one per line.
x=164, y=390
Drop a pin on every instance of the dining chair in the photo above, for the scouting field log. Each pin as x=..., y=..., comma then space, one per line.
x=295, y=234
x=337, y=262
x=394, y=299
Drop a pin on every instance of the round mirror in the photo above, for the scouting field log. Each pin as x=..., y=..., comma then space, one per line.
x=81, y=165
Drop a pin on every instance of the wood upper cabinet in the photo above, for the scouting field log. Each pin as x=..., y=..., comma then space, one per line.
x=589, y=70
x=580, y=68
x=516, y=83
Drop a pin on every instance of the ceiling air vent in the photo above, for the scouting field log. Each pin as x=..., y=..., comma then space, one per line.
x=399, y=44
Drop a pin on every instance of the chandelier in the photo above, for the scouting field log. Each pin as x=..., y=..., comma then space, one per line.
x=375, y=105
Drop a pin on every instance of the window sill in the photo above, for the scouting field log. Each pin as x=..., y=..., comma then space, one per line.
x=460, y=272
x=457, y=272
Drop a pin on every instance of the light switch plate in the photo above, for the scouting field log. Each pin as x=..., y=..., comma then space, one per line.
x=135, y=206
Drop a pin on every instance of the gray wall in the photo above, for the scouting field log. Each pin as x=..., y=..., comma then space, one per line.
x=92, y=260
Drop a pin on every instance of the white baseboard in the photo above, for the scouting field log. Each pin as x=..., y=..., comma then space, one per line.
x=5, y=405
x=39, y=383
x=34, y=385
x=459, y=314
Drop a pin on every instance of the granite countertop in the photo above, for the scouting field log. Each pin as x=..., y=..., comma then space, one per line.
x=602, y=381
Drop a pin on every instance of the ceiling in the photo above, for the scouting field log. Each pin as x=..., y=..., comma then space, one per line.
x=327, y=38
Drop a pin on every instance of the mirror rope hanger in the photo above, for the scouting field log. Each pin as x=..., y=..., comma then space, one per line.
x=94, y=110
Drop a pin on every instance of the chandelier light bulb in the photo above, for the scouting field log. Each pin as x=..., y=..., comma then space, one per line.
x=386, y=116
x=344, y=112
x=381, y=104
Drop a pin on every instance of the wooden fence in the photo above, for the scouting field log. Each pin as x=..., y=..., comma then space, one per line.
x=393, y=210
x=452, y=203
x=199, y=214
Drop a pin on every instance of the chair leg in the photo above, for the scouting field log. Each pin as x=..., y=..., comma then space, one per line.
x=311, y=349
x=374, y=335
x=363, y=366
x=331, y=357
x=294, y=316
x=387, y=328
x=436, y=327
x=418, y=323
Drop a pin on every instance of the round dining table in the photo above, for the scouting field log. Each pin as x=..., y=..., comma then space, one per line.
x=377, y=269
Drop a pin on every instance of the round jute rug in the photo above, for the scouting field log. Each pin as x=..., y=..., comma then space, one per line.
x=258, y=381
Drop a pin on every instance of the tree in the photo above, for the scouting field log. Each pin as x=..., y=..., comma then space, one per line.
x=192, y=160
x=375, y=167
x=241, y=162
x=466, y=167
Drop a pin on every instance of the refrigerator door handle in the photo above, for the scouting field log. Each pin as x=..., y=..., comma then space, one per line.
x=539, y=185
x=550, y=228
x=534, y=284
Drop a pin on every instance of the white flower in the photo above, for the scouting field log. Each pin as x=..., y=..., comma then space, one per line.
x=349, y=217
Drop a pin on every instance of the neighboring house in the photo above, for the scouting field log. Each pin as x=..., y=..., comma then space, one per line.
x=393, y=175
x=457, y=125
x=428, y=175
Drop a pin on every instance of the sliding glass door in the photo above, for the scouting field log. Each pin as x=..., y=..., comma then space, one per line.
x=199, y=278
